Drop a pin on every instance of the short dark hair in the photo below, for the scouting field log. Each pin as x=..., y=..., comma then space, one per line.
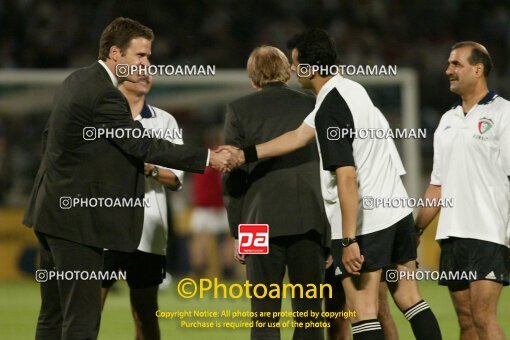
x=315, y=47
x=479, y=55
x=119, y=33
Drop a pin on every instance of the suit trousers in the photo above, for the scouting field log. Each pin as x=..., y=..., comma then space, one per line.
x=304, y=258
x=70, y=307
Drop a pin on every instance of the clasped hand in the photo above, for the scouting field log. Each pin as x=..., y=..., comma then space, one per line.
x=226, y=157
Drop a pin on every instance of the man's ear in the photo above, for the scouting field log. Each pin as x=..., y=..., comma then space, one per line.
x=254, y=85
x=479, y=70
x=114, y=53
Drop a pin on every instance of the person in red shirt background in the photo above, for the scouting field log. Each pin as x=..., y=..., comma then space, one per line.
x=209, y=224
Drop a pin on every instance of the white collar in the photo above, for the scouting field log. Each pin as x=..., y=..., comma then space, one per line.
x=110, y=73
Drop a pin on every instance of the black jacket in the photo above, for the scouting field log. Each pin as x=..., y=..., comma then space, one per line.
x=104, y=167
x=284, y=191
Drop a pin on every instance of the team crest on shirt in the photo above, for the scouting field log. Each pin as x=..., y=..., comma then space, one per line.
x=484, y=125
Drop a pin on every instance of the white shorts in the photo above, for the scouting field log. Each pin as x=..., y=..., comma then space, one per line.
x=212, y=220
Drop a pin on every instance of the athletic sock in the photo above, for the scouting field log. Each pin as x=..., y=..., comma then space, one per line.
x=367, y=330
x=423, y=322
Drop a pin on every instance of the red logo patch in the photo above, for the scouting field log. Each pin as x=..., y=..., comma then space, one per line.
x=253, y=239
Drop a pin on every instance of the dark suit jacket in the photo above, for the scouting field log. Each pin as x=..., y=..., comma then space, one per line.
x=105, y=167
x=284, y=191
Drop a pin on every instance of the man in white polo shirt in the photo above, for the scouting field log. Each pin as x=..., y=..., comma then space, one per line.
x=145, y=268
x=371, y=239
x=471, y=166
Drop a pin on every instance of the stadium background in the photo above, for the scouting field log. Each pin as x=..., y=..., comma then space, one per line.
x=45, y=39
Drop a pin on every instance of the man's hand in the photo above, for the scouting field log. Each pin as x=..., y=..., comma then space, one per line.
x=147, y=168
x=164, y=176
x=226, y=157
x=352, y=259
x=241, y=258
x=237, y=154
x=221, y=160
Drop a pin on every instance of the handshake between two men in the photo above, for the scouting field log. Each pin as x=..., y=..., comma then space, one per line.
x=226, y=157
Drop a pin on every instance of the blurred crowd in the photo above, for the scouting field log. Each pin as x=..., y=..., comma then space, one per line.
x=419, y=33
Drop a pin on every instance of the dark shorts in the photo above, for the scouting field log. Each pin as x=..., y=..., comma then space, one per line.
x=142, y=269
x=383, y=248
x=472, y=260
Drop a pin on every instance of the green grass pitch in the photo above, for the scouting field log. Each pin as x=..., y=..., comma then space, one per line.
x=20, y=301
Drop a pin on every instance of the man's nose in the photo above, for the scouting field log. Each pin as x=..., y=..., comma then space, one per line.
x=144, y=61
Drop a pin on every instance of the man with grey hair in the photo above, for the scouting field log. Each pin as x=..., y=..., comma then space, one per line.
x=472, y=167
x=283, y=192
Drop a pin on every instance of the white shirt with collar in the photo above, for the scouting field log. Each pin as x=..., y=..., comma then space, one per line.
x=155, y=222
x=472, y=165
x=378, y=164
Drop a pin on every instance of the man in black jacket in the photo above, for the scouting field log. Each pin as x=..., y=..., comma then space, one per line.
x=283, y=192
x=89, y=189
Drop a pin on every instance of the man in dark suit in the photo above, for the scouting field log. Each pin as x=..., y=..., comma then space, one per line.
x=78, y=169
x=283, y=192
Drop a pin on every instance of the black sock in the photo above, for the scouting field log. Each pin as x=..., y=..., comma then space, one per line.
x=367, y=330
x=423, y=322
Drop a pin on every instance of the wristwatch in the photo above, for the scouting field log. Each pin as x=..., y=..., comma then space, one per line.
x=154, y=172
x=348, y=241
